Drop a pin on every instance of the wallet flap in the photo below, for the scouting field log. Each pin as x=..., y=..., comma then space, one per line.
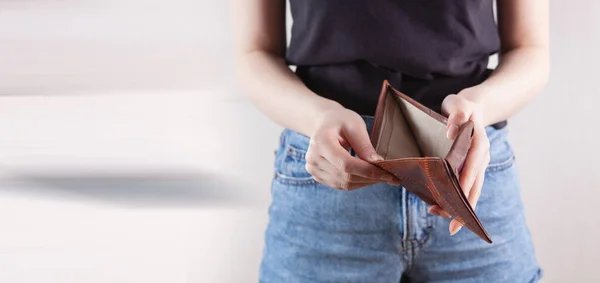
x=391, y=136
x=427, y=126
x=433, y=181
x=472, y=221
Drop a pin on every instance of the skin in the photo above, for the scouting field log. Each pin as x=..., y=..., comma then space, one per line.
x=522, y=72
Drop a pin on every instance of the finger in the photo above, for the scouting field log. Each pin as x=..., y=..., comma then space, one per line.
x=335, y=154
x=476, y=156
x=437, y=210
x=354, y=186
x=317, y=173
x=473, y=196
x=350, y=178
x=433, y=211
x=326, y=174
x=335, y=183
x=478, y=185
x=343, y=176
x=455, y=226
x=345, y=144
x=316, y=165
x=358, y=138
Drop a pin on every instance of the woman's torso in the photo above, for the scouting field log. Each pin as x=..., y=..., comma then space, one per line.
x=344, y=49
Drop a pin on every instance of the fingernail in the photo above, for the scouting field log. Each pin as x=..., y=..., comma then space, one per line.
x=455, y=231
x=433, y=212
x=376, y=157
x=452, y=132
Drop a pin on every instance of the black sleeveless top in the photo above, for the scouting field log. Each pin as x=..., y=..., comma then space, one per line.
x=344, y=49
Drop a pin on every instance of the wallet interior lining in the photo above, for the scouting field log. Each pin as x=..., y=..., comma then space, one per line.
x=429, y=133
x=395, y=137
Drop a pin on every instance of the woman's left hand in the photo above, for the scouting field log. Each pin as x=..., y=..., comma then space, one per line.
x=460, y=108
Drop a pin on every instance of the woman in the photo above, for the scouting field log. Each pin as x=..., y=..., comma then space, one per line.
x=335, y=217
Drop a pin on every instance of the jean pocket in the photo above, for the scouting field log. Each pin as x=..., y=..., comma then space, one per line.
x=501, y=165
x=290, y=164
x=502, y=156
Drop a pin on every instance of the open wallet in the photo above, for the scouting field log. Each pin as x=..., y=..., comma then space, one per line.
x=412, y=140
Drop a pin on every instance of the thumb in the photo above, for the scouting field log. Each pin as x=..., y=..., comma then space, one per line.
x=457, y=112
x=455, y=120
x=359, y=140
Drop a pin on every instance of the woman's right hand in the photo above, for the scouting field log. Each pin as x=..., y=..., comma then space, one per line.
x=328, y=158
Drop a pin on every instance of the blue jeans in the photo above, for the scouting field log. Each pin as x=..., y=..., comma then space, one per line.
x=383, y=233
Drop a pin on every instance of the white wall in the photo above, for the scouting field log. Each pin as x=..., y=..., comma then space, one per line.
x=81, y=45
x=118, y=121
x=555, y=140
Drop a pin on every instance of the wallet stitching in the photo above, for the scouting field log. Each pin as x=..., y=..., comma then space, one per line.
x=426, y=185
x=426, y=165
x=408, y=178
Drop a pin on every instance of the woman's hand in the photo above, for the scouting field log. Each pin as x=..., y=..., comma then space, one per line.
x=328, y=158
x=460, y=109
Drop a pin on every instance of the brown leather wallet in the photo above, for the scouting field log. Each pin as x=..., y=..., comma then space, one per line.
x=412, y=140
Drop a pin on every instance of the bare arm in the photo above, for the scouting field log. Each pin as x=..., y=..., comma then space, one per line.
x=524, y=60
x=276, y=91
x=262, y=72
x=522, y=72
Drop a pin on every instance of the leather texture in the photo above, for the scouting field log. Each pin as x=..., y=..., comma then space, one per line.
x=412, y=140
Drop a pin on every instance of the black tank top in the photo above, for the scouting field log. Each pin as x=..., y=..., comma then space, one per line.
x=344, y=49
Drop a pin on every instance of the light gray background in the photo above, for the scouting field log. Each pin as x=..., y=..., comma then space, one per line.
x=127, y=154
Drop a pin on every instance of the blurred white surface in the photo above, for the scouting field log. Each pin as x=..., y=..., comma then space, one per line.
x=118, y=118
x=132, y=187
x=126, y=154
x=66, y=241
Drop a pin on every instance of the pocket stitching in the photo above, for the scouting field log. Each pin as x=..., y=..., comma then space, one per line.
x=298, y=155
x=501, y=165
x=295, y=152
x=294, y=180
